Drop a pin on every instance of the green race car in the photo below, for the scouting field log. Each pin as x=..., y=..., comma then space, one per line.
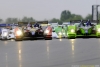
x=59, y=32
x=79, y=28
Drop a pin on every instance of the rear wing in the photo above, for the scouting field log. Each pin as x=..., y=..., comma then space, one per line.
x=56, y=23
x=94, y=22
x=13, y=24
x=75, y=21
x=84, y=21
x=5, y=25
x=20, y=24
x=66, y=23
x=43, y=23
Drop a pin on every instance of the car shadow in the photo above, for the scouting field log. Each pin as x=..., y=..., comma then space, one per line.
x=86, y=37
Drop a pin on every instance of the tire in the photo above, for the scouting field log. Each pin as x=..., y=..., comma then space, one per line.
x=3, y=39
x=18, y=39
x=48, y=38
x=70, y=37
x=8, y=38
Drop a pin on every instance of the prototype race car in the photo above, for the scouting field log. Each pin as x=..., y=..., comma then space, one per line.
x=59, y=32
x=83, y=28
x=33, y=30
x=5, y=32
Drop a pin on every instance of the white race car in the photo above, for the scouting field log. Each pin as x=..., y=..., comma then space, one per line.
x=7, y=32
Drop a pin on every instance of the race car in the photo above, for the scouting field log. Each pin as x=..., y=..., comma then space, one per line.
x=59, y=32
x=33, y=30
x=83, y=28
x=5, y=32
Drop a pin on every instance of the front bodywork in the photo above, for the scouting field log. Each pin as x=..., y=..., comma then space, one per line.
x=6, y=31
x=71, y=31
x=5, y=34
x=59, y=32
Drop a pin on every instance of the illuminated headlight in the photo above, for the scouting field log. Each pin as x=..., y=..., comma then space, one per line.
x=64, y=33
x=5, y=34
x=19, y=33
x=60, y=33
x=47, y=31
x=99, y=30
x=72, y=30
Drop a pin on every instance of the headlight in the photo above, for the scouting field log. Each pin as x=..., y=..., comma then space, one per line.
x=99, y=30
x=19, y=33
x=72, y=30
x=5, y=34
x=60, y=33
x=47, y=31
x=64, y=33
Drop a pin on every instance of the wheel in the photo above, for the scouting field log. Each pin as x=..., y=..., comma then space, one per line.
x=70, y=37
x=48, y=38
x=8, y=38
x=98, y=37
x=3, y=39
x=18, y=39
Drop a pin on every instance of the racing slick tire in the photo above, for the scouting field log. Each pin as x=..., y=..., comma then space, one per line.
x=5, y=38
x=70, y=37
x=18, y=39
x=48, y=38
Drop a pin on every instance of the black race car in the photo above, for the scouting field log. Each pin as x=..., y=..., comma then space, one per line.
x=30, y=30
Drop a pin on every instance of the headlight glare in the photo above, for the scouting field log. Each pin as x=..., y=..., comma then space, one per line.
x=19, y=32
x=72, y=30
x=60, y=33
x=47, y=31
x=64, y=33
x=99, y=30
x=5, y=34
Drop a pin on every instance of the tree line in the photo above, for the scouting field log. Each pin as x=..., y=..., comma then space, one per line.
x=65, y=16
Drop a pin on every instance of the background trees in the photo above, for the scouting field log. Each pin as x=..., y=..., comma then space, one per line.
x=65, y=16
